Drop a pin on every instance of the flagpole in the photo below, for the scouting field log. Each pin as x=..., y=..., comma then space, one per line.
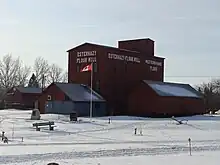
x=91, y=91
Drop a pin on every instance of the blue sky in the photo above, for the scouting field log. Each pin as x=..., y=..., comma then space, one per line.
x=186, y=32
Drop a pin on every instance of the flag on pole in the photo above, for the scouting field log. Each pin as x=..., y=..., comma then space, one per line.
x=87, y=68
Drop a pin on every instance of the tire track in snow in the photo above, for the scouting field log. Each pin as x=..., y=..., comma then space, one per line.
x=162, y=142
x=104, y=153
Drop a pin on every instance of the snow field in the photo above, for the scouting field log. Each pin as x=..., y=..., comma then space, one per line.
x=96, y=141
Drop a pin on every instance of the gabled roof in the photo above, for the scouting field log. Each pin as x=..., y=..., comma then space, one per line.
x=29, y=90
x=137, y=39
x=173, y=89
x=104, y=46
x=79, y=92
x=110, y=47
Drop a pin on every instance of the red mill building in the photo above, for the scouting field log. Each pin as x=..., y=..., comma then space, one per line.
x=117, y=72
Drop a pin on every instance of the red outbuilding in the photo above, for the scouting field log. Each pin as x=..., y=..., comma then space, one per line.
x=158, y=99
x=66, y=98
x=21, y=97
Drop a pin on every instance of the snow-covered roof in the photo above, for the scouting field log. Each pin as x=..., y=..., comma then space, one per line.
x=31, y=90
x=173, y=89
x=79, y=92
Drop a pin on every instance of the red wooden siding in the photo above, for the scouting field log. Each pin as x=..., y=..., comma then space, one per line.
x=144, y=101
x=117, y=77
x=54, y=92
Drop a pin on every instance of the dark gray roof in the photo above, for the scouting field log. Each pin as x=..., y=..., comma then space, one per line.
x=173, y=89
x=29, y=90
x=79, y=92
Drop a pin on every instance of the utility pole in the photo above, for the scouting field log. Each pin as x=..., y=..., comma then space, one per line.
x=43, y=81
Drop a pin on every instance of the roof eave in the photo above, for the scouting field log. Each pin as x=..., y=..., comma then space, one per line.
x=77, y=47
x=180, y=96
x=136, y=39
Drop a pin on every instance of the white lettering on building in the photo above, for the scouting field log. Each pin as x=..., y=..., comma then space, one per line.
x=86, y=53
x=153, y=68
x=123, y=58
x=153, y=65
x=86, y=57
x=151, y=62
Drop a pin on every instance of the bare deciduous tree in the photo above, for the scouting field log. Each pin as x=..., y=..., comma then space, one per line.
x=216, y=85
x=55, y=74
x=12, y=72
x=211, y=94
x=65, y=77
x=41, y=70
x=23, y=74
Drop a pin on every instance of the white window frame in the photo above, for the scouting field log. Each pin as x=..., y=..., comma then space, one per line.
x=49, y=97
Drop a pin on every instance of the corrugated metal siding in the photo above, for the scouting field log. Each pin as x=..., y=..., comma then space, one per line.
x=83, y=109
x=59, y=107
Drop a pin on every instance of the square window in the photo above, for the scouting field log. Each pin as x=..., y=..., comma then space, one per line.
x=49, y=97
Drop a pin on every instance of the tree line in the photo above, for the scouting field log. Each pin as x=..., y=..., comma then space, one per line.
x=13, y=72
x=211, y=93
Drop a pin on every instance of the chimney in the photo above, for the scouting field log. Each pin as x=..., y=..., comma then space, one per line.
x=144, y=46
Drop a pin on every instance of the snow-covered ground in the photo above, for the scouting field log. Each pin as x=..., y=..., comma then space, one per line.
x=97, y=142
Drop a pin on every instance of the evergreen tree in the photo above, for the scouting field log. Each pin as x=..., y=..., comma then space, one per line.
x=200, y=90
x=33, y=81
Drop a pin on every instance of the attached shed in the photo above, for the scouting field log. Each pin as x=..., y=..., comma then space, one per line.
x=66, y=98
x=21, y=97
x=163, y=99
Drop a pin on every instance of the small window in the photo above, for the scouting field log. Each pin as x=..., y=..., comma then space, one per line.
x=77, y=68
x=49, y=97
x=95, y=67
